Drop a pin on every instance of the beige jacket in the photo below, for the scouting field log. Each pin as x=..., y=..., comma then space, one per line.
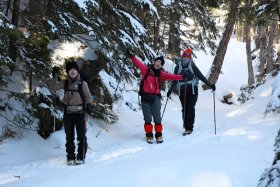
x=72, y=96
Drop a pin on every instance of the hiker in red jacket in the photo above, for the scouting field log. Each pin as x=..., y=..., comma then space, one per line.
x=152, y=75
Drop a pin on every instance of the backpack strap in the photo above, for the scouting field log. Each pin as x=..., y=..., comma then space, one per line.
x=194, y=81
x=65, y=85
x=141, y=90
x=80, y=89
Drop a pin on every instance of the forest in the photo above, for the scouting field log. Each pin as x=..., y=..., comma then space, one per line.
x=34, y=34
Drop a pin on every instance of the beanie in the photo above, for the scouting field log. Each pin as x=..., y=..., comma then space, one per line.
x=161, y=59
x=70, y=65
x=187, y=53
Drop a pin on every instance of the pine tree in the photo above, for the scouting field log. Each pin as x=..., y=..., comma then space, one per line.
x=268, y=12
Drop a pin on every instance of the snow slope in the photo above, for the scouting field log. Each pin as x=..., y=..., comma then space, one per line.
x=118, y=155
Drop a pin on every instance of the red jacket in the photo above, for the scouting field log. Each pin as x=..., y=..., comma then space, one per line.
x=151, y=84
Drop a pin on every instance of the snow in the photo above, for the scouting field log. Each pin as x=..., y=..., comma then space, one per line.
x=81, y=3
x=261, y=9
x=126, y=39
x=62, y=51
x=167, y=2
x=118, y=155
x=275, y=100
x=54, y=29
x=137, y=26
x=153, y=9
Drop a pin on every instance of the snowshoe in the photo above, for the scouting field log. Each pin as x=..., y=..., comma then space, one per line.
x=187, y=132
x=159, y=140
x=71, y=162
x=149, y=140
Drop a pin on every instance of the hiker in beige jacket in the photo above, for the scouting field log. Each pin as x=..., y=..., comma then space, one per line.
x=77, y=100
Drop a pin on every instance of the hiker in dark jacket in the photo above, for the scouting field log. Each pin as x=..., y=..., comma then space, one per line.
x=77, y=100
x=188, y=88
x=152, y=75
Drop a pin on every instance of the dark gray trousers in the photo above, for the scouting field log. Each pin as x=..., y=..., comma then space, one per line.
x=151, y=111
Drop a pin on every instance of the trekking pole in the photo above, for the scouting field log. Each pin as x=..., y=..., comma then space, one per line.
x=164, y=107
x=55, y=77
x=85, y=129
x=214, y=111
x=185, y=98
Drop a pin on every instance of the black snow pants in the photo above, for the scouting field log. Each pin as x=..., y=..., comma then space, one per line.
x=76, y=122
x=188, y=101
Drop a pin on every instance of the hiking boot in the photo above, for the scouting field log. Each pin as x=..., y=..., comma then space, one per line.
x=71, y=162
x=159, y=139
x=149, y=140
x=187, y=132
x=80, y=161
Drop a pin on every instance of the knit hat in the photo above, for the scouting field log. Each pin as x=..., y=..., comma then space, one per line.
x=70, y=65
x=161, y=59
x=187, y=53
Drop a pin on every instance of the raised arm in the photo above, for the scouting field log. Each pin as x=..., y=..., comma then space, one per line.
x=143, y=68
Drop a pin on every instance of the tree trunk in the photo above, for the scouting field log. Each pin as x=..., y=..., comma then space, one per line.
x=36, y=7
x=248, y=53
x=278, y=55
x=8, y=8
x=13, y=37
x=174, y=37
x=173, y=41
x=239, y=31
x=30, y=82
x=262, y=53
x=248, y=5
x=156, y=34
x=221, y=51
x=271, y=35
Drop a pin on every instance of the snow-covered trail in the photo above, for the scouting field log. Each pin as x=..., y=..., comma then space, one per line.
x=234, y=157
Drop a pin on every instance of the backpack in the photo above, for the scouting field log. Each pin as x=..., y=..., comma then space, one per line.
x=80, y=90
x=191, y=78
x=141, y=88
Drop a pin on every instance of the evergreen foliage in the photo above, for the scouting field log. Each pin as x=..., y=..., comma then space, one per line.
x=271, y=176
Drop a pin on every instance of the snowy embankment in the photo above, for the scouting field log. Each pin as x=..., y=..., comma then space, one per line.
x=235, y=157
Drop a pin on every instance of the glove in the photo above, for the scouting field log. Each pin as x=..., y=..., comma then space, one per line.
x=169, y=93
x=88, y=108
x=213, y=87
x=55, y=71
x=129, y=54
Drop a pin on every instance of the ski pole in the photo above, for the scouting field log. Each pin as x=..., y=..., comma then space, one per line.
x=164, y=107
x=214, y=111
